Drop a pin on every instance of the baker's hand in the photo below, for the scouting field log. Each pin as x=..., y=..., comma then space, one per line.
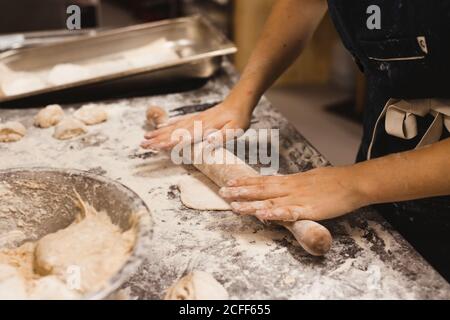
x=226, y=115
x=319, y=194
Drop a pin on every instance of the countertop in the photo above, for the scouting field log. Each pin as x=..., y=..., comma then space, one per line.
x=368, y=259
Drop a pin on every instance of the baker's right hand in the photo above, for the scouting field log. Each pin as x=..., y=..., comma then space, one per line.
x=214, y=121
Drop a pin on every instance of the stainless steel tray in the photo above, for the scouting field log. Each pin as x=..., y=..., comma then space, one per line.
x=199, y=45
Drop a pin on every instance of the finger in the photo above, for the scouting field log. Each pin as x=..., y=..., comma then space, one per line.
x=164, y=142
x=177, y=119
x=228, y=132
x=247, y=181
x=158, y=132
x=154, y=145
x=247, y=208
x=254, y=192
x=287, y=213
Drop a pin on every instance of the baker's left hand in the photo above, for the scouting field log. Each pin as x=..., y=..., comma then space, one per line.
x=318, y=194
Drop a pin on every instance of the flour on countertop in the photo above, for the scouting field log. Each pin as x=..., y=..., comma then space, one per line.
x=251, y=260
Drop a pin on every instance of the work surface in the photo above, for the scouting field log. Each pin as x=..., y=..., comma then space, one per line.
x=253, y=261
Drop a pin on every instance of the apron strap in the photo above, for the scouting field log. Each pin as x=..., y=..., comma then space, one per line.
x=401, y=122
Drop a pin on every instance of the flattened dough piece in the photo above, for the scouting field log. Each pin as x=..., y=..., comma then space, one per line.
x=91, y=114
x=67, y=73
x=49, y=116
x=198, y=285
x=200, y=193
x=12, y=131
x=69, y=128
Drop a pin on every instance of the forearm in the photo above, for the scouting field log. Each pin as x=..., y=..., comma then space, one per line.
x=287, y=30
x=405, y=176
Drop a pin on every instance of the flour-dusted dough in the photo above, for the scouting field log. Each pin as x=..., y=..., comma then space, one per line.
x=156, y=116
x=12, y=131
x=52, y=288
x=69, y=128
x=12, y=284
x=67, y=264
x=22, y=83
x=49, y=116
x=67, y=73
x=92, y=244
x=198, y=285
x=200, y=193
x=91, y=114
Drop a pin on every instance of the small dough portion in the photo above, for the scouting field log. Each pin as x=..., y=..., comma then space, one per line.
x=49, y=116
x=91, y=114
x=12, y=131
x=198, y=285
x=200, y=193
x=156, y=116
x=69, y=128
x=22, y=83
x=67, y=73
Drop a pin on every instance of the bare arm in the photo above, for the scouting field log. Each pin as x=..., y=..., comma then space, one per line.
x=329, y=192
x=287, y=31
x=405, y=176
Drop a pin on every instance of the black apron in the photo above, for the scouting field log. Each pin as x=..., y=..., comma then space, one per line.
x=388, y=58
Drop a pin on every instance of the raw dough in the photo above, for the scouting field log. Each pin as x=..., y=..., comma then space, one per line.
x=52, y=288
x=49, y=116
x=12, y=284
x=97, y=247
x=200, y=193
x=159, y=51
x=22, y=83
x=197, y=285
x=67, y=73
x=12, y=131
x=92, y=244
x=156, y=116
x=69, y=128
x=91, y=114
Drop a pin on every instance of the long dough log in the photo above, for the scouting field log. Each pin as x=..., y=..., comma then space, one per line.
x=312, y=236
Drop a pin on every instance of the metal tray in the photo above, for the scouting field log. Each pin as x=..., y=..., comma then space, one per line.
x=199, y=45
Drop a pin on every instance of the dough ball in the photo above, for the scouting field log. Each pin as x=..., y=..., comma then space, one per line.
x=23, y=83
x=67, y=73
x=69, y=128
x=200, y=193
x=12, y=131
x=98, y=250
x=49, y=116
x=12, y=284
x=91, y=114
x=156, y=116
x=197, y=285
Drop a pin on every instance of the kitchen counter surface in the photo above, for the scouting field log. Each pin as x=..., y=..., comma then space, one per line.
x=253, y=261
